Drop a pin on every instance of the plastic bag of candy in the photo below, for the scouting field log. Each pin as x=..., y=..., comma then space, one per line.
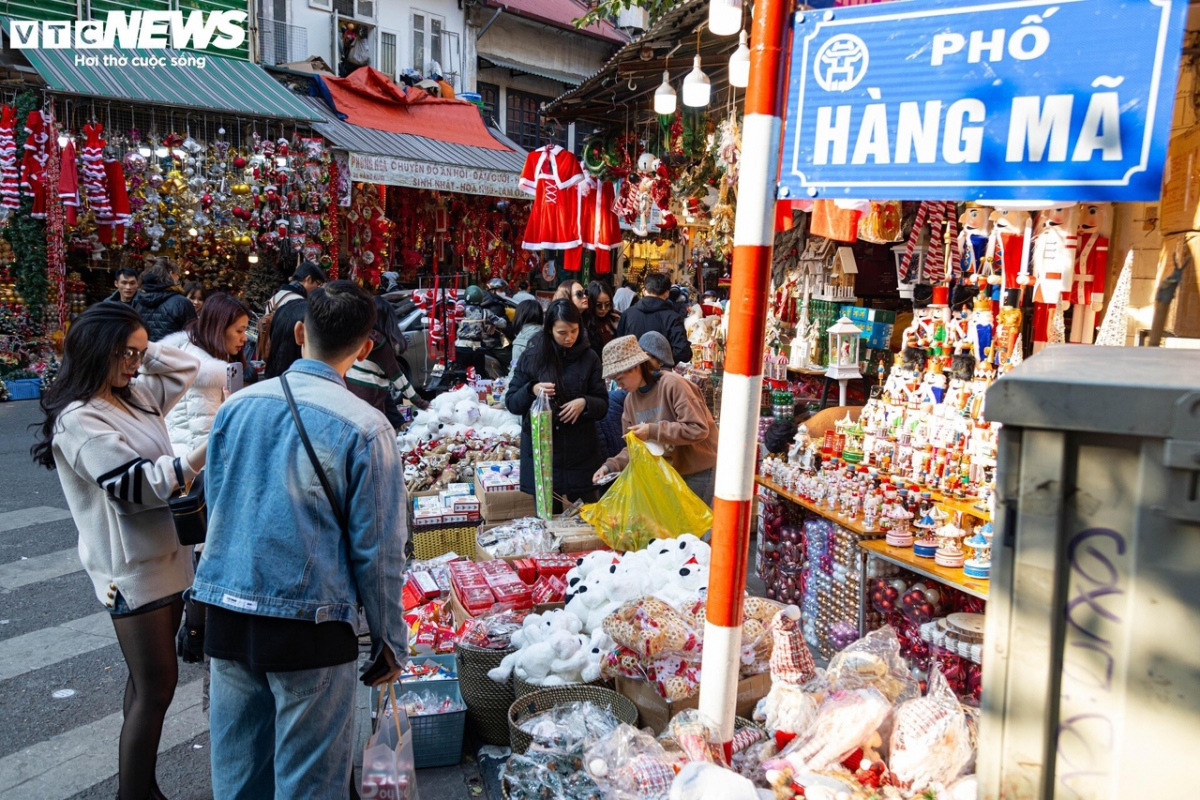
x=424, y=703
x=697, y=736
x=569, y=726
x=650, y=627
x=548, y=776
x=493, y=631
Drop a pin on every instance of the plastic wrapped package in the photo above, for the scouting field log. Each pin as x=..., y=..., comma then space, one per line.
x=697, y=736
x=541, y=428
x=845, y=720
x=548, y=776
x=516, y=538
x=569, y=726
x=703, y=781
x=786, y=711
x=493, y=631
x=930, y=741
x=630, y=765
x=749, y=763
x=422, y=703
x=650, y=627
x=874, y=661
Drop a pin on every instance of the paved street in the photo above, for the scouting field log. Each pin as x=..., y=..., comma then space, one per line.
x=55, y=640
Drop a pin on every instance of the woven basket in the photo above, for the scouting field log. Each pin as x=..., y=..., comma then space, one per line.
x=487, y=702
x=521, y=688
x=545, y=699
x=438, y=540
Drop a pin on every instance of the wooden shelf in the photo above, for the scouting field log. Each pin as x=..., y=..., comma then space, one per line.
x=806, y=371
x=927, y=567
x=967, y=507
x=854, y=525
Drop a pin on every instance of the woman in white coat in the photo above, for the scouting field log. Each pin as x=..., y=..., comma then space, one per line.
x=218, y=338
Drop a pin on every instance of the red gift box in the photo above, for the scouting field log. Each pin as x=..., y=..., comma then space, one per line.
x=527, y=569
x=411, y=597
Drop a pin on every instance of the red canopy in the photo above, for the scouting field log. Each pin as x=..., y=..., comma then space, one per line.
x=370, y=99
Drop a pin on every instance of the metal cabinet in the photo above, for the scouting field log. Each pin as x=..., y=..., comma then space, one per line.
x=1091, y=685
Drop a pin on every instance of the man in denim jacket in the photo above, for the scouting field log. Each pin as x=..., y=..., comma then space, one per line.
x=283, y=582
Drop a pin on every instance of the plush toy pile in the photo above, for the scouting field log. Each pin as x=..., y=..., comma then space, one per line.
x=552, y=651
x=455, y=413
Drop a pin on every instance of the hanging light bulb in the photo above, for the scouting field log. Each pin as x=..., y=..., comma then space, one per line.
x=697, y=88
x=725, y=17
x=252, y=258
x=739, y=63
x=664, y=96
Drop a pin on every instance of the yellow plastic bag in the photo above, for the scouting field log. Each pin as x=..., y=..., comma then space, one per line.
x=649, y=500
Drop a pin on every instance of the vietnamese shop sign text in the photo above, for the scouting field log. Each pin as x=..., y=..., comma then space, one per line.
x=1009, y=100
x=436, y=177
x=145, y=30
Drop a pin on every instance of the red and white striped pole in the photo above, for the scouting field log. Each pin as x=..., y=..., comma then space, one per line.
x=754, y=237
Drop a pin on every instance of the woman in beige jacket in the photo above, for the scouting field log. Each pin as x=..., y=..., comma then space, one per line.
x=665, y=408
x=105, y=433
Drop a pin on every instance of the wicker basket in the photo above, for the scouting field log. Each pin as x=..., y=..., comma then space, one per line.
x=441, y=539
x=546, y=699
x=521, y=688
x=487, y=702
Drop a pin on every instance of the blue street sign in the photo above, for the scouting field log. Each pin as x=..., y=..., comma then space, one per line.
x=1007, y=100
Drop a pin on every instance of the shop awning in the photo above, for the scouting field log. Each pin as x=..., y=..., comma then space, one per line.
x=528, y=69
x=222, y=84
x=421, y=162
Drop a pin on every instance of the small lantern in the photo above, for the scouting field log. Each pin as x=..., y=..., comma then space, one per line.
x=843, y=355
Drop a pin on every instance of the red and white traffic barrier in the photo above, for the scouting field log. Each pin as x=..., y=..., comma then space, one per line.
x=754, y=237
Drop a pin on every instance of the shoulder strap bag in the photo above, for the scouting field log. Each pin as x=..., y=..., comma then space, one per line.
x=188, y=509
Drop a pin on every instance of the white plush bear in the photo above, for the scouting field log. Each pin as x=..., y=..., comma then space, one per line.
x=571, y=660
x=500, y=420
x=689, y=547
x=589, y=595
x=680, y=586
x=466, y=412
x=599, y=559
x=443, y=405
x=596, y=649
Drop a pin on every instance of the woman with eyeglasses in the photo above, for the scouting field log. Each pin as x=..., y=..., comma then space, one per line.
x=105, y=433
x=601, y=317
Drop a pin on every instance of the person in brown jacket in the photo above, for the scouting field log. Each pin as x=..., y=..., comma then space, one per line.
x=662, y=407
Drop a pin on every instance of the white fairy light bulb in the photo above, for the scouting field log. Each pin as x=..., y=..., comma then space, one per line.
x=664, y=96
x=725, y=17
x=252, y=258
x=739, y=63
x=697, y=88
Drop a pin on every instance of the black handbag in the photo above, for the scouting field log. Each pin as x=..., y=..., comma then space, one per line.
x=189, y=510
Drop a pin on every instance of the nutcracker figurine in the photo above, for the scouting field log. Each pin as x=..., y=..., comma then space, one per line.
x=973, y=240
x=1091, y=265
x=1053, y=268
x=1006, y=250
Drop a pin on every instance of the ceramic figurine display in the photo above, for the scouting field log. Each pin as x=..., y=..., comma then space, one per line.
x=949, y=552
x=899, y=533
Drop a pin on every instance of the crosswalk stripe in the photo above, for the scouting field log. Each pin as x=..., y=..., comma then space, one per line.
x=16, y=574
x=41, y=648
x=25, y=517
x=85, y=756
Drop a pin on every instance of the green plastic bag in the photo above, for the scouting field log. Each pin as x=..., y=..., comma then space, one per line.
x=541, y=431
x=649, y=500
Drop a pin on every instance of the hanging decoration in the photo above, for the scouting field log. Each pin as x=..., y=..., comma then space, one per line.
x=330, y=235
x=56, y=257
x=25, y=232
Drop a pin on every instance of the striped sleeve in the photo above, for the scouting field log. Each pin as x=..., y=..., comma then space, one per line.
x=402, y=386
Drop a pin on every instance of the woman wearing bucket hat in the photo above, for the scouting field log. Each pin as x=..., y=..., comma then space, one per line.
x=662, y=407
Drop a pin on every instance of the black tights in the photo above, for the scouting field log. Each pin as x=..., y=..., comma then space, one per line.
x=148, y=644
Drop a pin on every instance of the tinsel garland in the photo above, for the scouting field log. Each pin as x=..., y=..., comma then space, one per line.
x=56, y=253
x=332, y=222
x=26, y=234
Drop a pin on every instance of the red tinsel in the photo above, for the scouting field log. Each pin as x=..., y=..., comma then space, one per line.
x=332, y=222
x=56, y=257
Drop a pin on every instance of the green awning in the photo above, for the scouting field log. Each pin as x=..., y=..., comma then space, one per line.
x=222, y=84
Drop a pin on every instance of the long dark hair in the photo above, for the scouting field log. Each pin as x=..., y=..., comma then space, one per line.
x=594, y=290
x=529, y=312
x=548, y=353
x=207, y=331
x=284, y=350
x=91, y=346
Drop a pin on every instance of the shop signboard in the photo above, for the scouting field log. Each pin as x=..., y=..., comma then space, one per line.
x=391, y=171
x=1008, y=100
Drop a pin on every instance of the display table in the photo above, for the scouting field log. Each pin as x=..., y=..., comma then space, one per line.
x=854, y=525
x=905, y=557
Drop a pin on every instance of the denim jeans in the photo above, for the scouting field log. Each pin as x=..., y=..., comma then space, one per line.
x=286, y=735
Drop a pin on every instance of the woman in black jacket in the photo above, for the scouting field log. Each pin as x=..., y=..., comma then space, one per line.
x=162, y=305
x=560, y=365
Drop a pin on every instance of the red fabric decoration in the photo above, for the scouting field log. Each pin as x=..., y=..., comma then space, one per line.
x=10, y=174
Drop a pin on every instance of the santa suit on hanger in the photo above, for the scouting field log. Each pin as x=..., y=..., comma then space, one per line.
x=551, y=175
x=10, y=173
x=599, y=227
x=94, y=178
x=114, y=230
x=33, y=164
x=68, y=183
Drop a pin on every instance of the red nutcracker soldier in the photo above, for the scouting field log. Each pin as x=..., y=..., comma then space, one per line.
x=1053, y=269
x=1091, y=266
x=1006, y=244
x=551, y=175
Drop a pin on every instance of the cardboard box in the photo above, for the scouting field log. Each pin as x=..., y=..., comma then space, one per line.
x=655, y=712
x=503, y=506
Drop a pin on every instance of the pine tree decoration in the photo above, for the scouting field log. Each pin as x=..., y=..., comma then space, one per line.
x=262, y=281
x=26, y=234
x=1113, y=330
